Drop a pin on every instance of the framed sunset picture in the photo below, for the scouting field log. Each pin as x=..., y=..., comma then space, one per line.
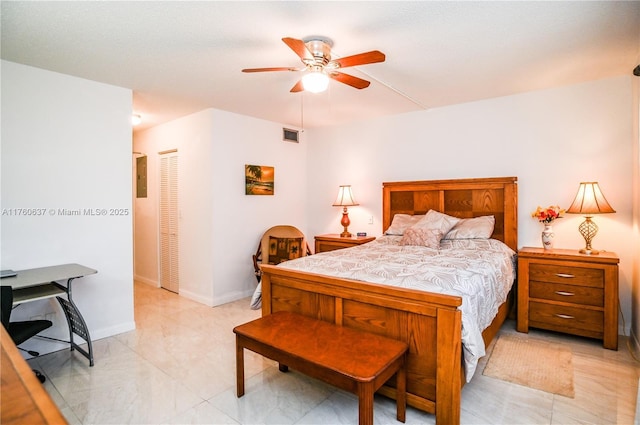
x=258, y=180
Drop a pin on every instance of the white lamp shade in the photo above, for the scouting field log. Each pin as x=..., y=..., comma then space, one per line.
x=345, y=197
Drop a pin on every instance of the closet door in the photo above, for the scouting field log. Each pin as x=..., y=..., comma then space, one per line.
x=169, y=253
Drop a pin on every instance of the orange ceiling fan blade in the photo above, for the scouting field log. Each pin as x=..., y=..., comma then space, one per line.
x=373, y=56
x=299, y=48
x=297, y=88
x=350, y=80
x=269, y=69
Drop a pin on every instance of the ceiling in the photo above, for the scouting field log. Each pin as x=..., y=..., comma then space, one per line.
x=182, y=57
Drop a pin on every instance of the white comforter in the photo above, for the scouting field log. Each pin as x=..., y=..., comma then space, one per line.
x=481, y=271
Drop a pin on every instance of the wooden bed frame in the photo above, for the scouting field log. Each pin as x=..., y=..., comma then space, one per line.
x=430, y=323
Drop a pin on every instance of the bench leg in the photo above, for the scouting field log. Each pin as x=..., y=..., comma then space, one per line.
x=283, y=367
x=239, y=369
x=401, y=393
x=365, y=403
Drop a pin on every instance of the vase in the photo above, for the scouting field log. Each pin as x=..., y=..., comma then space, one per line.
x=547, y=236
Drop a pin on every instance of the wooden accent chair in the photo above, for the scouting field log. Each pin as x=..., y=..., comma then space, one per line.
x=278, y=244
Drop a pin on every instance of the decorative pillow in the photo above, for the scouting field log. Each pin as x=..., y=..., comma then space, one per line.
x=429, y=230
x=473, y=228
x=283, y=249
x=402, y=222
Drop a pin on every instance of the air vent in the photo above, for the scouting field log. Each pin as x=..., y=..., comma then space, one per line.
x=289, y=135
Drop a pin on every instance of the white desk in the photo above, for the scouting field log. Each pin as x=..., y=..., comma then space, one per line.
x=41, y=283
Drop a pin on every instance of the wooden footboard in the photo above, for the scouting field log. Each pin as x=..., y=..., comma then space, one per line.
x=429, y=323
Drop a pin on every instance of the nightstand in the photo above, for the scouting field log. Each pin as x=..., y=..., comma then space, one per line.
x=565, y=291
x=332, y=242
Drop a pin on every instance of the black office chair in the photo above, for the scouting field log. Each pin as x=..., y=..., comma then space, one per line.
x=20, y=331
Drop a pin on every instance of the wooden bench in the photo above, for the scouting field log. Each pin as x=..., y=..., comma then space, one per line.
x=353, y=360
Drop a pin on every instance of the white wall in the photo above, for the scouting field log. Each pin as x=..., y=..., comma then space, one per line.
x=66, y=144
x=219, y=225
x=551, y=140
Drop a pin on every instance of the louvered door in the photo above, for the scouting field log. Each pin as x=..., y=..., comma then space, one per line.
x=169, y=253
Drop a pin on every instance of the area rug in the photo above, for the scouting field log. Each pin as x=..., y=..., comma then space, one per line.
x=534, y=363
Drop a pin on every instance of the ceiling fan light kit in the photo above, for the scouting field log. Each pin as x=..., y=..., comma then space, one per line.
x=315, y=81
x=315, y=54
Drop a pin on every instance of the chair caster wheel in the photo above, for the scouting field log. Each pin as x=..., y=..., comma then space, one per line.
x=40, y=376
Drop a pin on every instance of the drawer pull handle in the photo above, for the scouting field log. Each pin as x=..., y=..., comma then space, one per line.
x=565, y=293
x=564, y=316
x=565, y=275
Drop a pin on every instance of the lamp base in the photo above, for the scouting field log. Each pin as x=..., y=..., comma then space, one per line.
x=345, y=224
x=588, y=230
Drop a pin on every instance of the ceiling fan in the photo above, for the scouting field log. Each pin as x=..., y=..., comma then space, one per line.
x=315, y=54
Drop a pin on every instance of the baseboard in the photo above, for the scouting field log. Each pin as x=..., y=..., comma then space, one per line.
x=145, y=280
x=211, y=302
x=113, y=330
x=233, y=297
x=196, y=297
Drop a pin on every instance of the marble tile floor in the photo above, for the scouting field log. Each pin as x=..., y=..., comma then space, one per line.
x=178, y=367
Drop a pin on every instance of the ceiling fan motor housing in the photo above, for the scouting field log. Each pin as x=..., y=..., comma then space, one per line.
x=321, y=51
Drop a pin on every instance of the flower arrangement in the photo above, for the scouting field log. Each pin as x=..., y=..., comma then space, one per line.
x=547, y=215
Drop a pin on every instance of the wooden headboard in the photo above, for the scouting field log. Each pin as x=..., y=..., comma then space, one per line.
x=463, y=198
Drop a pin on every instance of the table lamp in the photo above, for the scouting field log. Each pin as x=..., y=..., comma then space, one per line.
x=589, y=201
x=345, y=199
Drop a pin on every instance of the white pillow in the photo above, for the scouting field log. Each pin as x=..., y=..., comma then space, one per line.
x=402, y=222
x=473, y=228
x=429, y=230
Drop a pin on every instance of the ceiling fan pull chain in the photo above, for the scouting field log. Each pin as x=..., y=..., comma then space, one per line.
x=302, y=112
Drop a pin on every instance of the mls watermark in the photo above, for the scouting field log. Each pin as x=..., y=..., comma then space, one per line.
x=65, y=212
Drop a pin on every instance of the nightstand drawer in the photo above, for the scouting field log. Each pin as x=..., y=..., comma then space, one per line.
x=556, y=273
x=331, y=242
x=328, y=246
x=574, y=294
x=575, y=320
